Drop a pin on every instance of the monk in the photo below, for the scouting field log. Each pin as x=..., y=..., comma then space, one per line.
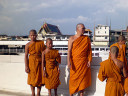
x=113, y=71
x=121, y=56
x=51, y=68
x=122, y=49
x=33, y=51
x=79, y=58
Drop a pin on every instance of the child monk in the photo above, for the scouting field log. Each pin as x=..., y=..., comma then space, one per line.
x=33, y=52
x=114, y=71
x=51, y=69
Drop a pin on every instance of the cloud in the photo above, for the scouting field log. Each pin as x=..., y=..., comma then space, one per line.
x=123, y=4
x=5, y=19
x=65, y=20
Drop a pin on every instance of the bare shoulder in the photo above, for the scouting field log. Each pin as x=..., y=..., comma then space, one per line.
x=72, y=38
x=44, y=51
x=27, y=44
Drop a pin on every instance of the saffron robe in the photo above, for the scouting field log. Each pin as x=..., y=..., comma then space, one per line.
x=114, y=79
x=126, y=85
x=121, y=54
x=80, y=74
x=121, y=57
x=52, y=58
x=35, y=76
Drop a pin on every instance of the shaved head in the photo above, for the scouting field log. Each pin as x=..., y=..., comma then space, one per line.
x=79, y=25
x=48, y=39
x=121, y=38
x=114, y=50
x=33, y=30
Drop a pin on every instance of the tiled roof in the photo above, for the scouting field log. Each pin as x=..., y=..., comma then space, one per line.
x=49, y=28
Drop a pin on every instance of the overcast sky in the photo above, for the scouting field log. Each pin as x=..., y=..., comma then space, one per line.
x=17, y=17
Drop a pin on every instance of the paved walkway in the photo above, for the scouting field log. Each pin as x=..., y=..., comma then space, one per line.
x=6, y=93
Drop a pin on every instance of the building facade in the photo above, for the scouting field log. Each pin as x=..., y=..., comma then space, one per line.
x=114, y=34
x=101, y=35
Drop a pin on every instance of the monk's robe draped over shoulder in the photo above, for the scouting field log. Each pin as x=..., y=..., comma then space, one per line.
x=114, y=79
x=80, y=74
x=121, y=57
x=35, y=77
x=121, y=54
x=52, y=58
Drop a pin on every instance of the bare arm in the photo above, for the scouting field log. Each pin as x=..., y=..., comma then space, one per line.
x=69, y=52
x=26, y=59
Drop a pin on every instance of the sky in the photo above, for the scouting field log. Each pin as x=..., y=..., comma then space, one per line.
x=18, y=17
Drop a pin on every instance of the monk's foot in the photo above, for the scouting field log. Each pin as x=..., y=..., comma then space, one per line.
x=33, y=95
x=38, y=95
x=82, y=93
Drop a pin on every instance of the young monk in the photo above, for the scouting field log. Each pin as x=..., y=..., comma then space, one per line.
x=51, y=68
x=33, y=51
x=114, y=71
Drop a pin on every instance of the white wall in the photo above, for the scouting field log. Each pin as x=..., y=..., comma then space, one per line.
x=101, y=38
x=14, y=79
x=101, y=31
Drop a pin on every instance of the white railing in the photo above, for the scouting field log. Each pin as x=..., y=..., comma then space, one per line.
x=96, y=51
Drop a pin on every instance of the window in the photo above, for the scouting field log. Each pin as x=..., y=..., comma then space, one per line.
x=105, y=37
x=98, y=31
x=105, y=27
x=102, y=49
x=92, y=49
x=105, y=32
x=65, y=48
x=97, y=54
x=107, y=49
x=97, y=49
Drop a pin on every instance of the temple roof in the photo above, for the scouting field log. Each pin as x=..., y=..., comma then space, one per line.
x=49, y=29
x=88, y=30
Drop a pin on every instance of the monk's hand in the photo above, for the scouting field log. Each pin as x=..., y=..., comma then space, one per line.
x=27, y=70
x=69, y=66
x=88, y=64
x=44, y=73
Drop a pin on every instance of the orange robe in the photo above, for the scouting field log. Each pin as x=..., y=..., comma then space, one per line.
x=121, y=57
x=112, y=73
x=122, y=51
x=35, y=75
x=126, y=85
x=80, y=74
x=52, y=58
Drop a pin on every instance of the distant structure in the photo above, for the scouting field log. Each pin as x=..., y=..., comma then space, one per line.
x=114, y=34
x=13, y=38
x=49, y=29
x=88, y=32
x=101, y=35
x=53, y=32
